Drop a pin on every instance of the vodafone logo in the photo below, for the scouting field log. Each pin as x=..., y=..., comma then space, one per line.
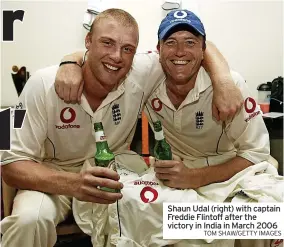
x=250, y=105
x=148, y=194
x=67, y=116
x=156, y=104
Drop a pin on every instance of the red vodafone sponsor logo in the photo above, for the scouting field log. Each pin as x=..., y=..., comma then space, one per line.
x=148, y=194
x=156, y=104
x=250, y=106
x=67, y=116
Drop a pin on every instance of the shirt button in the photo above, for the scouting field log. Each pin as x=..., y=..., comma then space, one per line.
x=112, y=215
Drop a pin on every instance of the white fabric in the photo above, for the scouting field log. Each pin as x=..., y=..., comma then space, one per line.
x=127, y=162
x=94, y=8
x=171, y=4
x=141, y=223
x=33, y=219
x=197, y=137
x=88, y=20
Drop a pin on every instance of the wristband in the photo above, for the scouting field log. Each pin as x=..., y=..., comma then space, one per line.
x=69, y=62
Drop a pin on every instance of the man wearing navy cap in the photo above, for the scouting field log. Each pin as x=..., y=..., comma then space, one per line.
x=205, y=151
x=211, y=151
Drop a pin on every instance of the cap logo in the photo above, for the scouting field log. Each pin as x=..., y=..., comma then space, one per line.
x=180, y=14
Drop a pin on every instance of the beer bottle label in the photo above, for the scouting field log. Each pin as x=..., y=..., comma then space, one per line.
x=100, y=137
x=159, y=135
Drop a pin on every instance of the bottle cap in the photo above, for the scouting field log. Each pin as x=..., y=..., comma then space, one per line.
x=157, y=126
x=98, y=126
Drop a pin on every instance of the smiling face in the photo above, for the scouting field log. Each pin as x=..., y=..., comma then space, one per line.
x=112, y=47
x=181, y=55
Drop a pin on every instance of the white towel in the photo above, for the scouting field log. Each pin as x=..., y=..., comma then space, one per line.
x=94, y=8
x=88, y=20
x=171, y=4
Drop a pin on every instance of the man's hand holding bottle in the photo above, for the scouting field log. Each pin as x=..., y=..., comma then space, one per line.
x=94, y=178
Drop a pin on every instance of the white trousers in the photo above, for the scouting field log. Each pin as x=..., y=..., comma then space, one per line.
x=34, y=218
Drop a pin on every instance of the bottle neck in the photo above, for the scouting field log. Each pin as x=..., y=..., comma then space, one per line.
x=159, y=135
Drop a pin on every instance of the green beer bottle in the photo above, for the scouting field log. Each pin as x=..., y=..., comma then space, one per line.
x=162, y=150
x=103, y=157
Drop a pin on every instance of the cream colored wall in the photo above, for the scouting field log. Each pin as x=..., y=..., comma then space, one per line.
x=249, y=34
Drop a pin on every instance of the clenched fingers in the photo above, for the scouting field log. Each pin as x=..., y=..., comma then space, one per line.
x=66, y=94
x=74, y=91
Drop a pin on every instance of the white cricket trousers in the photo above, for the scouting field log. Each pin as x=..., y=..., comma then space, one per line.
x=34, y=218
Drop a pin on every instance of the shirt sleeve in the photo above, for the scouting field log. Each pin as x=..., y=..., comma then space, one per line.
x=148, y=71
x=27, y=143
x=247, y=130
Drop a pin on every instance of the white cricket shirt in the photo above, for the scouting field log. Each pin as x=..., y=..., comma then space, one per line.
x=197, y=138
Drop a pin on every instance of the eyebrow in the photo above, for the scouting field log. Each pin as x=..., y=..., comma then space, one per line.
x=127, y=44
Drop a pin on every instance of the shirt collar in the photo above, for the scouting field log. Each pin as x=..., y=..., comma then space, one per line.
x=203, y=81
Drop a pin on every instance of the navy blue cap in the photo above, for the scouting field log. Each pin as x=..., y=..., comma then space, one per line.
x=177, y=17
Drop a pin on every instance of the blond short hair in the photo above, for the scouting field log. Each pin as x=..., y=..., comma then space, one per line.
x=123, y=17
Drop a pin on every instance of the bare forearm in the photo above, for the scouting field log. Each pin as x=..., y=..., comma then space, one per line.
x=222, y=172
x=215, y=64
x=34, y=176
x=77, y=57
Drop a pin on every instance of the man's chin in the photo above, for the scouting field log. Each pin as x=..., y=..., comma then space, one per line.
x=110, y=83
x=180, y=80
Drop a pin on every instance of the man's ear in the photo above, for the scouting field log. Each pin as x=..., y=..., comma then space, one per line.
x=88, y=40
x=158, y=47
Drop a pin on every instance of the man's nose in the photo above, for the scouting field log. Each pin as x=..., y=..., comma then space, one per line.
x=116, y=55
x=180, y=51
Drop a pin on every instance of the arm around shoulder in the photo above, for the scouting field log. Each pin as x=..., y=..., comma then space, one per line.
x=247, y=130
x=69, y=78
x=227, y=98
